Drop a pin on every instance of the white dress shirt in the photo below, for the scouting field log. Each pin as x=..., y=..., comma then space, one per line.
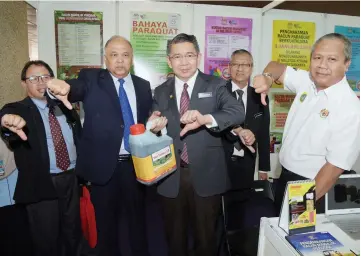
x=322, y=126
x=130, y=90
x=179, y=85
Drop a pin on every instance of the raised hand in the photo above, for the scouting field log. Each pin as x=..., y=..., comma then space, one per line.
x=60, y=89
x=15, y=124
x=193, y=120
x=262, y=84
x=247, y=138
x=159, y=122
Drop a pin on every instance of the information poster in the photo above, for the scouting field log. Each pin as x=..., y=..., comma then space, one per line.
x=280, y=104
x=224, y=35
x=353, y=73
x=79, y=42
x=149, y=37
x=292, y=42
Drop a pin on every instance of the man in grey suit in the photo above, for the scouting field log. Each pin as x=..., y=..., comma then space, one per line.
x=198, y=107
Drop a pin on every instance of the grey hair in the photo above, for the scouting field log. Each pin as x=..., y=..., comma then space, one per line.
x=347, y=50
x=115, y=37
x=183, y=38
x=242, y=51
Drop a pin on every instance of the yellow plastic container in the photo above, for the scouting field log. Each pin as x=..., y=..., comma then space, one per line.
x=153, y=156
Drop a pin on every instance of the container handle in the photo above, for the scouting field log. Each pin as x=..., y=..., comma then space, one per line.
x=150, y=124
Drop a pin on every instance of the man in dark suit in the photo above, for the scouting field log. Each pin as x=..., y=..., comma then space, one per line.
x=205, y=108
x=113, y=100
x=43, y=136
x=255, y=129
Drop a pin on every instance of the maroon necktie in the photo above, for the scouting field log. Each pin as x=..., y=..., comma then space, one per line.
x=184, y=105
x=61, y=152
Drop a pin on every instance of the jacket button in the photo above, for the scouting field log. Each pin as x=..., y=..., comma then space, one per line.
x=122, y=126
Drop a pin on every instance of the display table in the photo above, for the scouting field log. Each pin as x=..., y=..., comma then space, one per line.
x=272, y=240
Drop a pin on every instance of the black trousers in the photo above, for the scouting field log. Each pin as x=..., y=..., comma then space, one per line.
x=285, y=177
x=189, y=210
x=55, y=224
x=121, y=197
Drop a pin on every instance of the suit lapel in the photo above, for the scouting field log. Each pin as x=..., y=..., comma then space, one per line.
x=199, y=86
x=38, y=128
x=172, y=100
x=229, y=87
x=107, y=84
x=250, y=104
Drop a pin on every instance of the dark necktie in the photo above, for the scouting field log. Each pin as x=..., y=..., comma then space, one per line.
x=61, y=152
x=239, y=92
x=127, y=113
x=184, y=105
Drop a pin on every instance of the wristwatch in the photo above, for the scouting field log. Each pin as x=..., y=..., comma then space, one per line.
x=270, y=76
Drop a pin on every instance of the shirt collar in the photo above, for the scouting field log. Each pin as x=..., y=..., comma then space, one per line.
x=127, y=79
x=191, y=81
x=235, y=87
x=334, y=91
x=40, y=103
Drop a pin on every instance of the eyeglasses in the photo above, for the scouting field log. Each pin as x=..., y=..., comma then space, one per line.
x=188, y=57
x=242, y=65
x=36, y=79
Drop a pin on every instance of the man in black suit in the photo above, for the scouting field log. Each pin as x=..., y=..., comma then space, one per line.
x=255, y=129
x=203, y=106
x=43, y=136
x=113, y=100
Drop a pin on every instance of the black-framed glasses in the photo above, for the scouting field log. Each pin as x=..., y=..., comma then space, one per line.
x=241, y=65
x=188, y=57
x=37, y=79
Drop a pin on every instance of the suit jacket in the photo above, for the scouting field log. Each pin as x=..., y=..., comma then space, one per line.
x=205, y=151
x=258, y=121
x=103, y=126
x=34, y=182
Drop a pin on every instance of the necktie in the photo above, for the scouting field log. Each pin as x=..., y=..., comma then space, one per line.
x=127, y=113
x=238, y=92
x=184, y=105
x=61, y=152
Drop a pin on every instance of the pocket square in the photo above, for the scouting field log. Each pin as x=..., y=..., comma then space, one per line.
x=258, y=114
x=204, y=95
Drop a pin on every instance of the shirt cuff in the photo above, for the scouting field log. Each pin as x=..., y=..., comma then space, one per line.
x=262, y=172
x=214, y=123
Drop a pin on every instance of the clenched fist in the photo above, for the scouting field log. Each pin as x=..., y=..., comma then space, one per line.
x=262, y=84
x=15, y=124
x=193, y=120
x=60, y=90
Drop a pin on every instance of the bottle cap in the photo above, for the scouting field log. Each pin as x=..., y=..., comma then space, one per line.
x=137, y=129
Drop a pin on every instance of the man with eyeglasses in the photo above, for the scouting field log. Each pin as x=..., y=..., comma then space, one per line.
x=198, y=108
x=43, y=136
x=255, y=129
x=113, y=100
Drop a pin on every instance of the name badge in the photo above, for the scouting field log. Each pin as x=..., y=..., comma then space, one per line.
x=204, y=95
